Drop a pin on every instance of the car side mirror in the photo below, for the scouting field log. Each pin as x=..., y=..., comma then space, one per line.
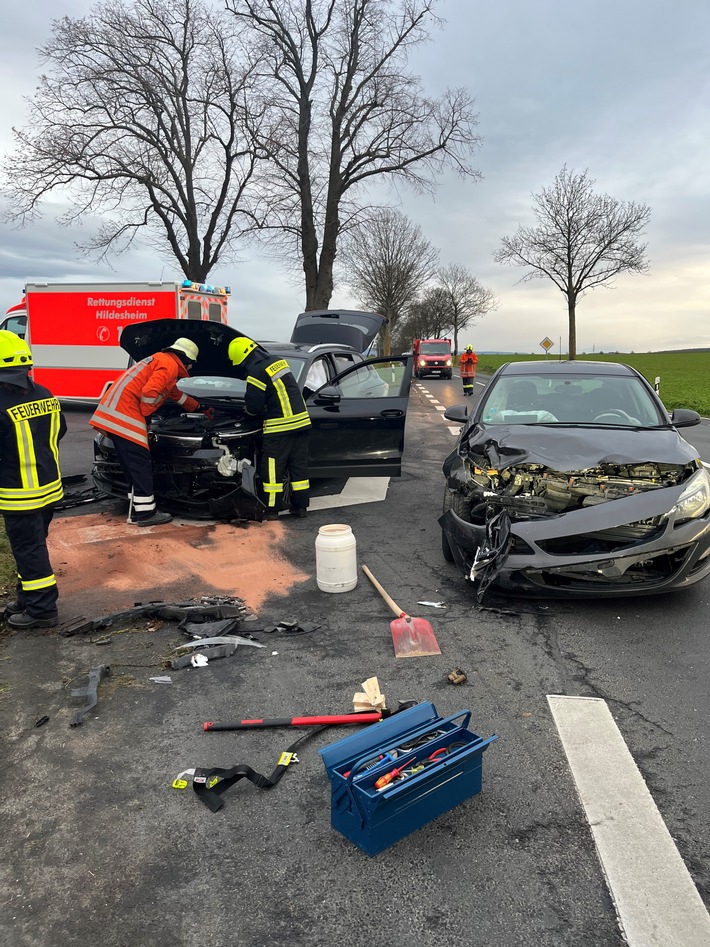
x=684, y=417
x=457, y=413
x=326, y=395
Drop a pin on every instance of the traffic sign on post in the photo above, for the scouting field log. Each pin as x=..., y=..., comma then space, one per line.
x=546, y=344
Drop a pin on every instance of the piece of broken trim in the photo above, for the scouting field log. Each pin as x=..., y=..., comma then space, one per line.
x=213, y=607
x=185, y=660
x=223, y=639
x=433, y=604
x=90, y=692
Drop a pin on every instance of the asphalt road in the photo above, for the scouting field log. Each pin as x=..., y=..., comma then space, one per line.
x=103, y=850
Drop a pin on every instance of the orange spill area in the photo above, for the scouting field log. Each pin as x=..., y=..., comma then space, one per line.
x=103, y=564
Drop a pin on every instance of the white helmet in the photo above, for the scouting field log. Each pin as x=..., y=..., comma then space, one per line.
x=187, y=347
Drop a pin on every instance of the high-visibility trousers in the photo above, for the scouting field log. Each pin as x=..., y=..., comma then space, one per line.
x=283, y=454
x=36, y=590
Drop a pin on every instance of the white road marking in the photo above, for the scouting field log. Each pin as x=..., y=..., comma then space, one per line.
x=656, y=901
x=356, y=490
x=455, y=431
x=441, y=407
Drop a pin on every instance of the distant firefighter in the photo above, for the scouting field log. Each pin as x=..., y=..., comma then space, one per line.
x=467, y=368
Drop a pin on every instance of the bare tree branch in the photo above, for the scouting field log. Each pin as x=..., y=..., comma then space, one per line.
x=145, y=118
x=388, y=262
x=467, y=299
x=582, y=240
x=344, y=110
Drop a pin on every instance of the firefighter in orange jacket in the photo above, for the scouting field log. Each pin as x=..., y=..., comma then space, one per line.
x=121, y=414
x=31, y=425
x=467, y=368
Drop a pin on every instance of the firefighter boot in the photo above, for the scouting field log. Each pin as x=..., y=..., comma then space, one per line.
x=23, y=621
x=156, y=518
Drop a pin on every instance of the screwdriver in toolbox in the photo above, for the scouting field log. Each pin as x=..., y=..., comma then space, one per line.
x=385, y=780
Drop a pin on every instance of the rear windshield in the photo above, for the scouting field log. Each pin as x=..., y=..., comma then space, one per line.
x=577, y=399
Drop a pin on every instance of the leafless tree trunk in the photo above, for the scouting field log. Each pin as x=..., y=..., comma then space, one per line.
x=344, y=111
x=467, y=299
x=144, y=120
x=582, y=240
x=388, y=261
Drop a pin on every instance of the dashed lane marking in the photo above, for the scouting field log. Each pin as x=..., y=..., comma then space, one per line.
x=655, y=898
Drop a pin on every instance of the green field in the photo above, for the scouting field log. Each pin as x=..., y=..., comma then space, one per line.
x=685, y=376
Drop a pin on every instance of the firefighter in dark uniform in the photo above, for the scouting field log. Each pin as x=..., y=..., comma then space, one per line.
x=31, y=425
x=273, y=394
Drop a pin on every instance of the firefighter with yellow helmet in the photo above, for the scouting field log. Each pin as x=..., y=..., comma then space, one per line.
x=467, y=369
x=274, y=396
x=31, y=425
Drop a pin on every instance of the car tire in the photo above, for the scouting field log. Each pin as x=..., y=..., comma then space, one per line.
x=448, y=376
x=462, y=507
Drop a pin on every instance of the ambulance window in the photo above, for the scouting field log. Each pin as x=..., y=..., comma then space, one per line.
x=214, y=312
x=194, y=309
x=16, y=324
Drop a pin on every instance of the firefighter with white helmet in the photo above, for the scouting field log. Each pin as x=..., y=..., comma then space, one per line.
x=31, y=425
x=122, y=413
x=274, y=396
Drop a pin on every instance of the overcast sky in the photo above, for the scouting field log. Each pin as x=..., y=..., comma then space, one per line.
x=618, y=87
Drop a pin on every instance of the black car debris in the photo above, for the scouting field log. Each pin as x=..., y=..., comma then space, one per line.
x=570, y=479
x=206, y=468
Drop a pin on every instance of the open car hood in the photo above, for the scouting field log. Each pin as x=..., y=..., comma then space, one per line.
x=571, y=449
x=141, y=339
x=338, y=326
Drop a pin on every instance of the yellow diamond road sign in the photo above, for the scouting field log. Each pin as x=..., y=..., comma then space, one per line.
x=547, y=344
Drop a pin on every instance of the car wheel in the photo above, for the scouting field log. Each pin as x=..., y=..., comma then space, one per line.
x=461, y=507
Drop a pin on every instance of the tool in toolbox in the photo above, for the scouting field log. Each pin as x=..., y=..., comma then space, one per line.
x=411, y=637
x=358, y=718
x=445, y=769
x=387, y=778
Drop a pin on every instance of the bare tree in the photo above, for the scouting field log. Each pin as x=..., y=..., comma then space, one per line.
x=428, y=317
x=582, y=240
x=467, y=299
x=144, y=120
x=345, y=111
x=388, y=261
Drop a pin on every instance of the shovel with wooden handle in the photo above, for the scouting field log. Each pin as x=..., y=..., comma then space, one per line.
x=411, y=637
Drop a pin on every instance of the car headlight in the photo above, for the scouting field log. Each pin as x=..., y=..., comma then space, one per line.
x=448, y=362
x=422, y=361
x=694, y=501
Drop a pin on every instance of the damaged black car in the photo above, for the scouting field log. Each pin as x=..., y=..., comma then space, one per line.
x=571, y=479
x=206, y=467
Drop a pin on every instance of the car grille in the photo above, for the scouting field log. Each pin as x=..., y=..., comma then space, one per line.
x=646, y=573
x=601, y=541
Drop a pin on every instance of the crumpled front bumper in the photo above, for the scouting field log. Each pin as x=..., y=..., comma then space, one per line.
x=669, y=558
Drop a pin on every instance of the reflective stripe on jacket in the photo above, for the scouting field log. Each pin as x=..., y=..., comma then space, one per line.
x=139, y=392
x=31, y=425
x=272, y=392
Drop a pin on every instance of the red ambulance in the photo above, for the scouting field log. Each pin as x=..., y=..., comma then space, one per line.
x=74, y=329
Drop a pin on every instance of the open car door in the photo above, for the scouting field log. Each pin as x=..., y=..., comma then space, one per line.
x=358, y=420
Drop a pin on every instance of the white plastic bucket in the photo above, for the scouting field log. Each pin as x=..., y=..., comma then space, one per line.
x=336, y=558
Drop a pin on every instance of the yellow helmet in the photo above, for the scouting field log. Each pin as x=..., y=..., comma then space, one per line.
x=469, y=348
x=187, y=347
x=14, y=351
x=239, y=348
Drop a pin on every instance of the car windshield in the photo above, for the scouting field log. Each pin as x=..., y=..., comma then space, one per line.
x=434, y=348
x=575, y=399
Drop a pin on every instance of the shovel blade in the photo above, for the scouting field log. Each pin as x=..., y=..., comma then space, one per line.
x=413, y=638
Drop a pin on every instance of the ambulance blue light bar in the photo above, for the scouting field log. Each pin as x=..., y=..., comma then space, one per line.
x=206, y=288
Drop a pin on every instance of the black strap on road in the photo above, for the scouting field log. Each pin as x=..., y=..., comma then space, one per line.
x=209, y=784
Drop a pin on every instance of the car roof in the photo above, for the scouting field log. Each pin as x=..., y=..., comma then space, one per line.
x=566, y=368
x=294, y=348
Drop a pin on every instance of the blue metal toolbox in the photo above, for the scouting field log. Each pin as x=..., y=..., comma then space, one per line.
x=441, y=761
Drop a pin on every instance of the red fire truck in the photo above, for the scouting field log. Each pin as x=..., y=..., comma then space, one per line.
x=74, y=329
x=432, y=356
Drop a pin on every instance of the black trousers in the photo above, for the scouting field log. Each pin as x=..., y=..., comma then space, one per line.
x=137, y=467
x=36, y=591
x=283, y=454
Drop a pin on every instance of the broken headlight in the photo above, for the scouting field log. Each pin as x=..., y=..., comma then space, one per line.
x=694, y=501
